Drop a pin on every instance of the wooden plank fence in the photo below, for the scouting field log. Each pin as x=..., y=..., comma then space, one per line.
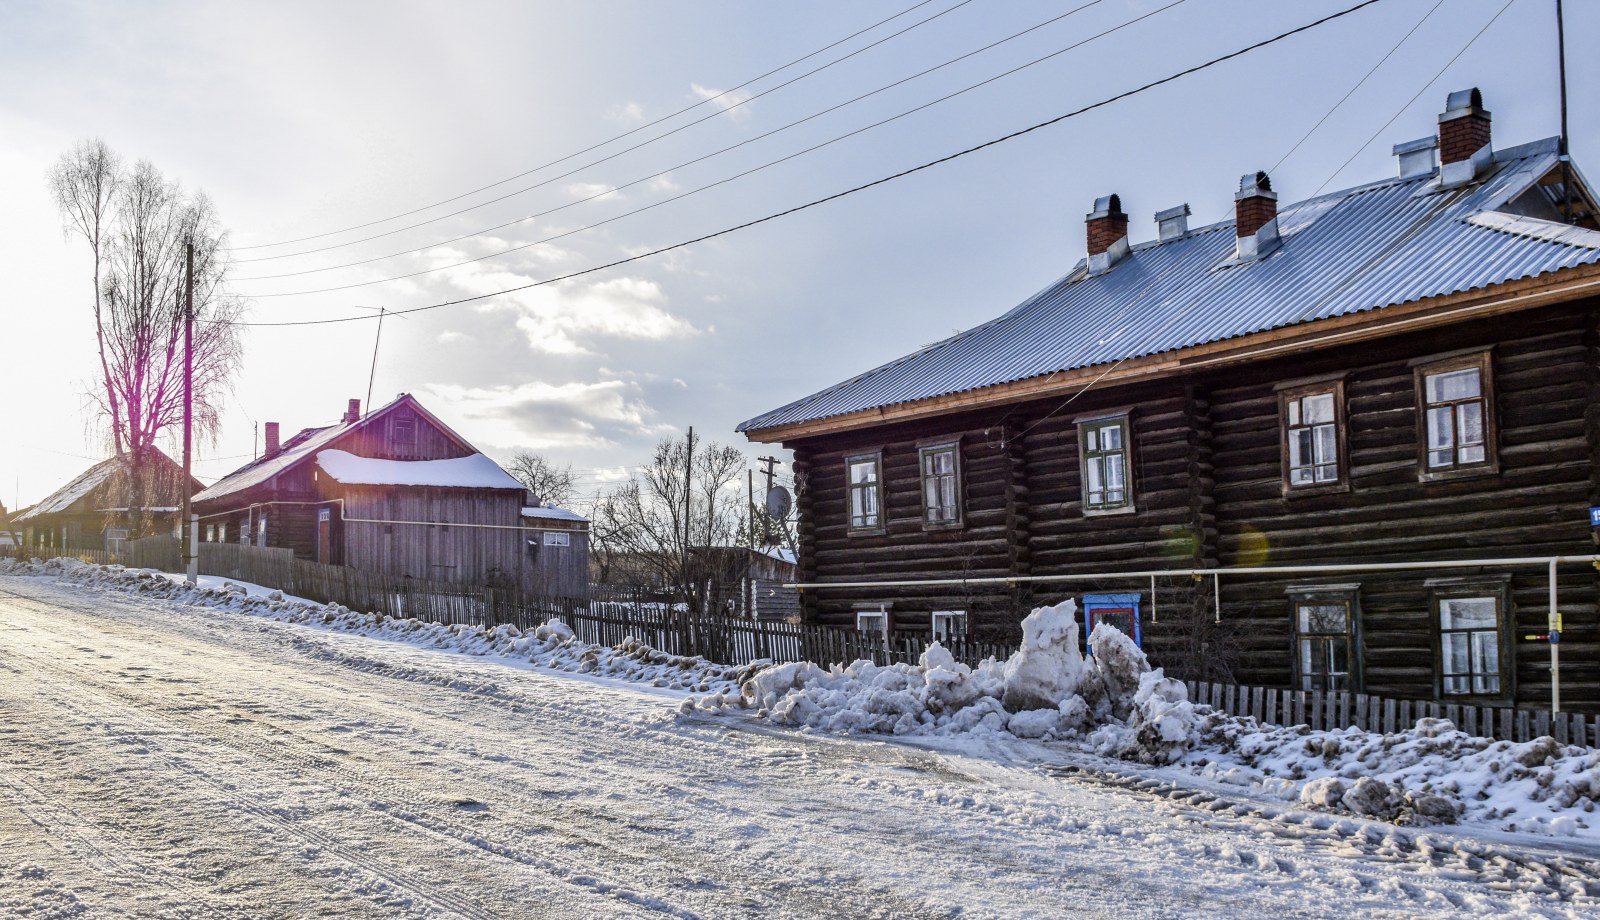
x=1328, y=710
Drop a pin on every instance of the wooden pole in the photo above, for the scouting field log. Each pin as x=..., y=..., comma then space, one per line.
x=688, y=532
x=186, y=527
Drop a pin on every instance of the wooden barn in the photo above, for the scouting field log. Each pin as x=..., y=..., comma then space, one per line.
x=107, y=505
x=397, y=492
x=1404, y=373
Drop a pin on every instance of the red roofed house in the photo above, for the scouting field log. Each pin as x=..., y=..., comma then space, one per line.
x=397, y=492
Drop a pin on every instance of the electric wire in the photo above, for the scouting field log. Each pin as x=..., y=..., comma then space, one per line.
x=1110, y=100
x=1409, y=102
x=719, y=182
x=656, y=175
x=707, y=101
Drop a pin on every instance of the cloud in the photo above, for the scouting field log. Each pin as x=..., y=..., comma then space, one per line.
x=664, y=184
x=626, y=112
x=450, y=335
x=558, y=320
x=542, y=415
x=725, y=101
x=582, y=190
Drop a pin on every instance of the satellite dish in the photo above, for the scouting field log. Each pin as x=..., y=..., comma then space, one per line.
x=778, y=503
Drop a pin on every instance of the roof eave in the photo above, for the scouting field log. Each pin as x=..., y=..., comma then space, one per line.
x=1507, y=297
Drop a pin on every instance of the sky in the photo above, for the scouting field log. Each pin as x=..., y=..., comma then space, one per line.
x=329, y=134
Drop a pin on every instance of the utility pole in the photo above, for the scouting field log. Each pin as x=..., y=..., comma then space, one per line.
x=187, y=526
x=688, y=479
x=1566, y=156
x=766, y=520
x=750, y=538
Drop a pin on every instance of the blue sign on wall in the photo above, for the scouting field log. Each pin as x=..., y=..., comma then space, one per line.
x=1594, y=517
x=1120, y=610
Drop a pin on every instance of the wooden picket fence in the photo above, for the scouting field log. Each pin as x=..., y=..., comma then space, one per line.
x=1327, y=710
x=161, y=553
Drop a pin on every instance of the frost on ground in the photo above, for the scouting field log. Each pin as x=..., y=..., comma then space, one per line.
x=551, y=645
x=1111, y=704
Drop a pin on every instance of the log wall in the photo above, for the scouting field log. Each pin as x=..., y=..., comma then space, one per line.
x=1207, y=472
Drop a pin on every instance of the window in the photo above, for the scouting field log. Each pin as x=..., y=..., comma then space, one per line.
x=1325, y=637
x=1119, y=610
x=1474, y=637
x=941, y=485
x=211, y=533
x=866, y=493
x=1457, y=425
x=116, y=538
x=403, y=431
x=1313, y=438
x=553, y=538
x=1105, y=465
x=873, y=621
x=261, y=530
x=950, y=625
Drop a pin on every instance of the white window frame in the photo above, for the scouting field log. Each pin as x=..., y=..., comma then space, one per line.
x=949, y=625
x=557, y=538
x=879, y=612
x=115, y=537
x=1489, y=422
x=261, y=529
x=1496, y=590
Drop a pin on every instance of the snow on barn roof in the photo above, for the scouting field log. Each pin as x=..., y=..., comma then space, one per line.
x=1361, y=249
x=66, y=496
x=259, y=471
x=472, y=472
x=554, y=514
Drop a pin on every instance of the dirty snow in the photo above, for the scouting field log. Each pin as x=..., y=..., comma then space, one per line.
x=506, y=788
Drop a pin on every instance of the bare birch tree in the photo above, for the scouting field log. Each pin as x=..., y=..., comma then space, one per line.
x=550, y=483
x=136, y=222
x=668, y=519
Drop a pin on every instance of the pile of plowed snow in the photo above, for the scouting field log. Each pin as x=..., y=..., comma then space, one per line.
x=551, y=645
x=1048, y=690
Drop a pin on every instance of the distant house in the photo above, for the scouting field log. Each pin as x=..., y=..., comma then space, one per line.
x=1403, y=373
x=106, y=505
x=397, y=492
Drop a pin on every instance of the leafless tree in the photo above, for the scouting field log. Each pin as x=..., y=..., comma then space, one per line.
x=668, y=519
x=136, y=222
x=552, y=484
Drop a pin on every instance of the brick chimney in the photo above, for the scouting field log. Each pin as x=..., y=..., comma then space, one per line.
x=1255, y=216
x=1464, y=149
x=272, y=441
x=1108, y=234
x=352, y=413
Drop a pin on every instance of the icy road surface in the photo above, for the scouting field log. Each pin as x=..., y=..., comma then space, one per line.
x=163, y=760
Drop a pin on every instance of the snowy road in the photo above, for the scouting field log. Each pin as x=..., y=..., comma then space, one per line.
x=171, y=761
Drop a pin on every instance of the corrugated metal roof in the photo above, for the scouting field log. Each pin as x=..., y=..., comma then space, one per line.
x=64, y=498
x=1364, y=248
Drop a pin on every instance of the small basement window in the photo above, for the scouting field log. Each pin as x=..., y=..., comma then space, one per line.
x=873, y=621
x=1325, y=637
x=1104, y=448
x=1474, y=636
x=950, y=625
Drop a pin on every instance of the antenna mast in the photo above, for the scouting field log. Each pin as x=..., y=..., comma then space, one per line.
x=1566, y=156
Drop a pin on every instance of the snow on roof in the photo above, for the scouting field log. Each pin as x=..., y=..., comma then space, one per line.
x=554, y=514
x=63, y=498
x=473, y=472
x=780, y=553
x=260, y=471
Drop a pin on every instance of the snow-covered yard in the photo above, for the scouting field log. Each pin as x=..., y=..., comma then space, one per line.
x=161, y=757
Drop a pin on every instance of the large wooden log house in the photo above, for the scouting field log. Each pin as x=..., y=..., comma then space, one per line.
x=1404, y=371
x=397, y=492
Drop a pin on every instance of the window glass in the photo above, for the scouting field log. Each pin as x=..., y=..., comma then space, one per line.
x=1323, y=640
x=1469, y=645
x=552, y=538
x=949, y=625
x=940, y=485
x=1311, y=438
x=873, y=622
x=1105, y=465
x=1455, y=418
x=863, y=483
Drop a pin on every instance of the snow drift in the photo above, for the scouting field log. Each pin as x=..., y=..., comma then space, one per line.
x=1046, y=691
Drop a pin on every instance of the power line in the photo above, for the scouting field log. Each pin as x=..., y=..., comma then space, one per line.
x=699, y=159
x=863, y=187
x=707, y=101
x=755, y=169
x=1409, y=102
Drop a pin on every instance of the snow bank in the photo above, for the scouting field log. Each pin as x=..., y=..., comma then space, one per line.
x=552, y=645
x=1430, y=774
x=1046, y=691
